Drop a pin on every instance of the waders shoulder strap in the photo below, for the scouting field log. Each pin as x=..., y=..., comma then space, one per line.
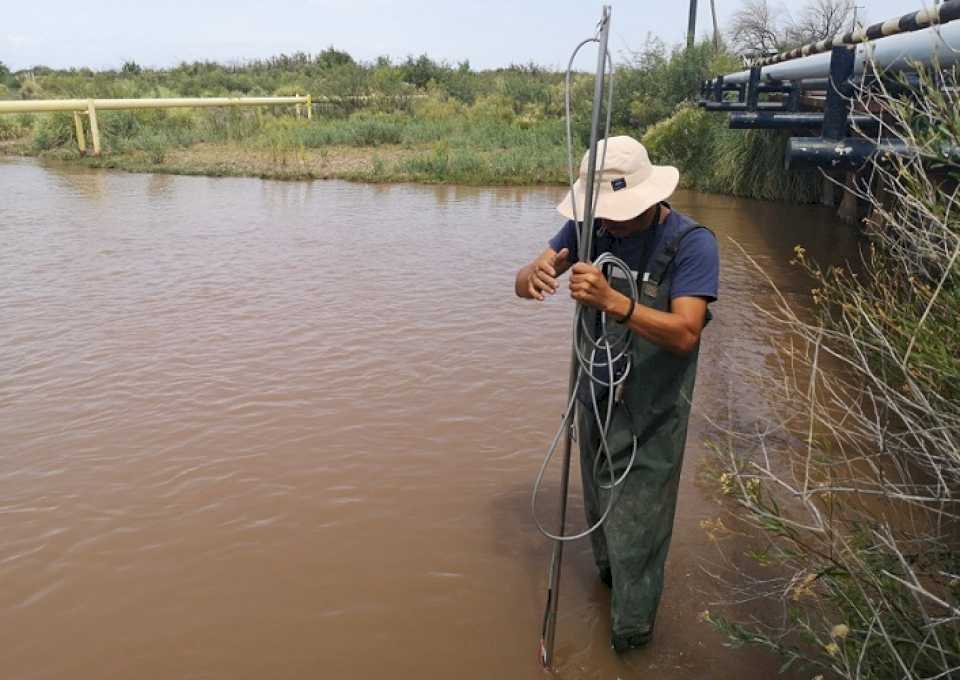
x=650, y=285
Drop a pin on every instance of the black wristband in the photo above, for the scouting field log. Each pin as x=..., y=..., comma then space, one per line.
x=626, y=318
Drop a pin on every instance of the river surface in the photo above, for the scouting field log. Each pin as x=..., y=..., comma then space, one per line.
x=256, y=429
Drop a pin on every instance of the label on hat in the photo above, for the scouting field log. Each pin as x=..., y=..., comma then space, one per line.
x=619, y=183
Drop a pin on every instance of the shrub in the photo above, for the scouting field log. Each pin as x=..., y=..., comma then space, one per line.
x=743, y=163
x=493, y=108
x=437, y=107
x=53, y=130
x=688, y=140
x=850, y=487
x=10, y=128
x=154, y=145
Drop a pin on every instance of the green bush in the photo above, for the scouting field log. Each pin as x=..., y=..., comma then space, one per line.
x=687, y=140
x=742, y=163
x=437, y=107
x=751, y=163
x=10, y=128
x=492, y=108
x=282, y=140
x=155, y=145
x=52, y=130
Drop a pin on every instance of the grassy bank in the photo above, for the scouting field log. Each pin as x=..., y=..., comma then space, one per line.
x=437, y=141
x=427, y=122
x=466, y=145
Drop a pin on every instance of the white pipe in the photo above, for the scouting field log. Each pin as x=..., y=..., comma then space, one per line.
x=894, y=53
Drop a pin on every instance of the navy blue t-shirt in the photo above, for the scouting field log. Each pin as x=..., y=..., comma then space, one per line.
x=696, y=267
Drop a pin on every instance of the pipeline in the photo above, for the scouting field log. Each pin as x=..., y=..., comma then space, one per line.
x=882, y=55
x=853, y=153
x=793, y=121
x=938, y=44
x=908, y=23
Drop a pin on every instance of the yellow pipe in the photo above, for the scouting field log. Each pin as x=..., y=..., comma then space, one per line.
x=78, y=124
x=41, y=105
x=94, y=128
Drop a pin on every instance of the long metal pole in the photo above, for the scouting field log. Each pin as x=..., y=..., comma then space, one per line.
x=586, y=242
x=692, y=24
x=716, y=25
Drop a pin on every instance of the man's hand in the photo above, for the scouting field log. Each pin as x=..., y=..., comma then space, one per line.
x=589, y=286
x=542, y=277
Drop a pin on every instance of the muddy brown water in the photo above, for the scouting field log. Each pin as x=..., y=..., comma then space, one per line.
x=254, y=429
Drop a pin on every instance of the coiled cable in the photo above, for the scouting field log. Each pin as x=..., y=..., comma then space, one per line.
x=595, y=349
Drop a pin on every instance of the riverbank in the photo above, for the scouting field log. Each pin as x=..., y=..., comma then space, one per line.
x=479, y=146
x=394, y=163
x=469, y=148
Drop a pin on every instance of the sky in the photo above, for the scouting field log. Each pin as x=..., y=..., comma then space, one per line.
x=488, y=33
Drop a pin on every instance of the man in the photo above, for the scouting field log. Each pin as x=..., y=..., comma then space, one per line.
x=676, y=266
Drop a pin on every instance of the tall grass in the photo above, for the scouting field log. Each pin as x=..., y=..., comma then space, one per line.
x=714, y=158
x=15, y=127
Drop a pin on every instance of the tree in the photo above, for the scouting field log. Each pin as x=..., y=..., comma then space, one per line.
x=331, y=57
x=420, y=71
x=7, y=79
x=756, y=29
x=821, y=19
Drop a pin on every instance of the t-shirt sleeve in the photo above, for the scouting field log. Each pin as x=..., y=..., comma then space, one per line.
x=567, y=238
x=697, y=272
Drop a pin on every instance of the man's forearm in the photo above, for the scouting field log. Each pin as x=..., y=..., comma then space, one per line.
x=665, y=329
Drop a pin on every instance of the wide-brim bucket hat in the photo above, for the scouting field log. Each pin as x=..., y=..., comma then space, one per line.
x=627, y=185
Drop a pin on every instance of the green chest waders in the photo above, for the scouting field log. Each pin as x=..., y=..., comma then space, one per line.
x=654, y=406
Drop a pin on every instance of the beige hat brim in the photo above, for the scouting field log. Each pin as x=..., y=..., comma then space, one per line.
x=625, y=204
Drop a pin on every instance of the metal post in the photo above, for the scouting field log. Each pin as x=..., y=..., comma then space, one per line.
x=586, y=242
x=837, y=108
x=793, y=98
x=94, y=128
x=692, y=24
x=716, y=25
x=753, y=89
x=78, y=126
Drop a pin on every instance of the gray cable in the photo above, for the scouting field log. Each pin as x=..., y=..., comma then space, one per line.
x=611, y=349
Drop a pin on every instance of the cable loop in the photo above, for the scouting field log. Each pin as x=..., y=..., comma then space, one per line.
x=612, y=348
